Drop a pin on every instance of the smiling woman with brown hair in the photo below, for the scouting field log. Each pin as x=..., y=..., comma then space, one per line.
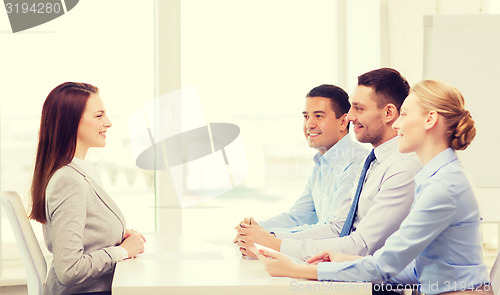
x=83, y=228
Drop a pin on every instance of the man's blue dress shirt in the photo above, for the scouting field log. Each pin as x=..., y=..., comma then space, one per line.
x=333, y=176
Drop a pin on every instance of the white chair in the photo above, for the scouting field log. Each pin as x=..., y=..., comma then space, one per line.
x=34, y=261
x=495, y=276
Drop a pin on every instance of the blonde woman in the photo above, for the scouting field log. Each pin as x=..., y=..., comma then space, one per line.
x=438, y=244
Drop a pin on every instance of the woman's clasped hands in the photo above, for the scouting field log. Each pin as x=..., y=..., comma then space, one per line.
x=133, y=242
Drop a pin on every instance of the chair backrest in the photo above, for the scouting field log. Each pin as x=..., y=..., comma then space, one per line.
x=495, y=276
x=34, y=261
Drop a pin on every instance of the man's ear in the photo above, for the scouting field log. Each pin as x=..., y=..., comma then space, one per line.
x=344, y=123
x=391, y=113
x=431, y=120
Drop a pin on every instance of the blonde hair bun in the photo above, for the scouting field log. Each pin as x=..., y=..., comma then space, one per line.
x=448, y=102
x=464, y=132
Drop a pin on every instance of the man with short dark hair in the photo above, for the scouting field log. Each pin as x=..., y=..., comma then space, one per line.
x=384, y=192
x=336, y=163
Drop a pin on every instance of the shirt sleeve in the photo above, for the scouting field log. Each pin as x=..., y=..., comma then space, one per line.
x=344, y=187
x=309, y=242
x=302, y=212
x=418, y=230
x=67, y=215
x=120, y=252
x=389, y=208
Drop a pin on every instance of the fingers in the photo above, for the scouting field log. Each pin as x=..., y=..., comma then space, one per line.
x=271, y=254
x=249, y=220
x=247, y=252
x=264, y=254
x=242, y=231
x=315, y=257
x=244, y=246
x=134, y=244
x=320, y=257
x=246, y=220
x=246, y=223
x=241, y=244
x=249, y=226
x=128, y=233
x=257, y=253
x=238, y=234
x=314, y=260
x=131, y=231
x=141, y=243
x=244, y=243
x=137, y=237
x=246, y=230
x=244, y=226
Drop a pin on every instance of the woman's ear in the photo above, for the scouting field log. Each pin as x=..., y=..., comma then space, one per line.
x=431, y=120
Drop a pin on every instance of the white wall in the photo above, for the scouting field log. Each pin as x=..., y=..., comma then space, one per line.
x=363, y=41
x=404, y=29
x=252, y=64
x=463, y=50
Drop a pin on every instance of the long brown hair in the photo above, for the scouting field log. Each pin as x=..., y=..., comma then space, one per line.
x=61, y=114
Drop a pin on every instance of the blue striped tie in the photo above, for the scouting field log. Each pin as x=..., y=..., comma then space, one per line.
x=346, y=229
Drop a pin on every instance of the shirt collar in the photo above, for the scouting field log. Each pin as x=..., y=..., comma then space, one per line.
x=335, y=152
x=439, y=161
x=386, y=149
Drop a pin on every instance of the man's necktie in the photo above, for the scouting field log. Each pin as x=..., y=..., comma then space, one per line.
x=346, y=229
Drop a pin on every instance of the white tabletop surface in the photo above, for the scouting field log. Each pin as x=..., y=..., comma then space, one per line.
x=183, y=265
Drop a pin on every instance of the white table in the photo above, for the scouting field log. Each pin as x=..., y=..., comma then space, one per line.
x=182, y=265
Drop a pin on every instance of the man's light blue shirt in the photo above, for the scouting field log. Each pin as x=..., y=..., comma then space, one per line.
x=438, y=245
x=333, y=176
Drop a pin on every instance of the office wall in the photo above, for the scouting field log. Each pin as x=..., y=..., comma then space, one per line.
x=463, y=50
x=402, y=30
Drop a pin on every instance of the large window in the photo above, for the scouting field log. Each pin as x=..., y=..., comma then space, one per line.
x=105, y=43
x=252, y=65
